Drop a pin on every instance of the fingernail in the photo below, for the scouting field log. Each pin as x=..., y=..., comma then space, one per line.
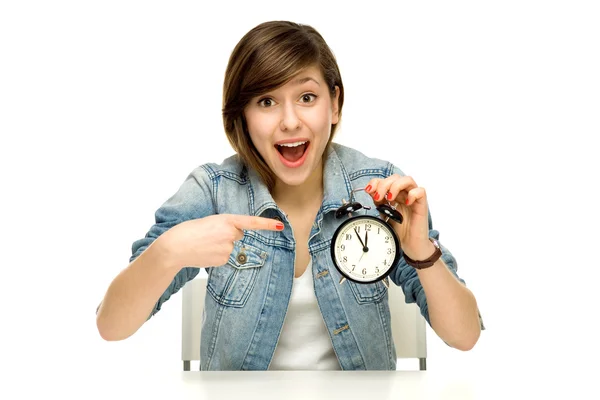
x=279, y=226
x=368, y=188
x=389, y=196
x=376, y=197
x=406, y=201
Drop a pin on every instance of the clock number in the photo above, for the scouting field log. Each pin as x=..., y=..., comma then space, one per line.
x=376, y=270
x=348, y=236
x=368, y=227
x=345, y=259
x=358, y=229
x=389, y=251
x=343, y=247
x=387, y=239
x=384, y=262
x=353, y=266
x=364, y=271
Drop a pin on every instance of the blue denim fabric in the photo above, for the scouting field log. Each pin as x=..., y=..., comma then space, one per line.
x=246, y=303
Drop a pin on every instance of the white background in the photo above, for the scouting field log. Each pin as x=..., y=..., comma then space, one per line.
x=493, y=107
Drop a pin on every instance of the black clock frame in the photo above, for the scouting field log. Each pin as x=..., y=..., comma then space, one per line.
x=368, y=217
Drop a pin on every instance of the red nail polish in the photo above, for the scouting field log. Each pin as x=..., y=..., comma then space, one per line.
x=376, y=197
x=368, y=188
x=389, y=196
x=279, y=226
x=406, y=201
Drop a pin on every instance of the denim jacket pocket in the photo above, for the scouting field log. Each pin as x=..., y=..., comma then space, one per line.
x=368, y=293
x=232, y=283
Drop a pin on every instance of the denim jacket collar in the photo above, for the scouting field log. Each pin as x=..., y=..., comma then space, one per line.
x=335, y=176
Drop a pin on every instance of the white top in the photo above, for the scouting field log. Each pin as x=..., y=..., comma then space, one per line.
x=304, y=343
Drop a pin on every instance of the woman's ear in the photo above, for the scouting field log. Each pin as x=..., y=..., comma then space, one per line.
x=335, y=107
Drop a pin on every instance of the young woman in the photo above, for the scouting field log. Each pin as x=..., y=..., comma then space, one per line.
x=260, y=223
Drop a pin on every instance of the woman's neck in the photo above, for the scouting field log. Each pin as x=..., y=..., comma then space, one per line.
x=306, y=193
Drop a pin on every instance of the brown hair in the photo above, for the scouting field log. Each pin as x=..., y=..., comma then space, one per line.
x=267, y=57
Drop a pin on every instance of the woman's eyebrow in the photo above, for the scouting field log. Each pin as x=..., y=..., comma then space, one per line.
x=300, y=81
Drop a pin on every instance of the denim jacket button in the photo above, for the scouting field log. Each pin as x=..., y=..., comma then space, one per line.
x=242, y=258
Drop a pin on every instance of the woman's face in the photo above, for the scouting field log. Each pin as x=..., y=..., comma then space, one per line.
x=290, y=126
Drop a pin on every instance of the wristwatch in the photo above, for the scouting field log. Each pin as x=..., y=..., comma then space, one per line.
x=427, y=262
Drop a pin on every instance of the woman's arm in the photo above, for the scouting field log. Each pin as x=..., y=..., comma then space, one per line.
x=452, y=307
x=159, y=269
x=444, y=300
x=133, y=293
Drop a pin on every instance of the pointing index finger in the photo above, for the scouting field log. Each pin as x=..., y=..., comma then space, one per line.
x=249, y=222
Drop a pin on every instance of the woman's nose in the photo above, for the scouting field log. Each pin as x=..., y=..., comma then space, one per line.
x=289, y=120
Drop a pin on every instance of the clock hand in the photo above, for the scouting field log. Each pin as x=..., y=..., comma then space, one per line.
x=358, y=236
x=361, y=256
x=366, y=241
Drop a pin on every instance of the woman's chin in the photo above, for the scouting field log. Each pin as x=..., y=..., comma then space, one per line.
x=296, y=178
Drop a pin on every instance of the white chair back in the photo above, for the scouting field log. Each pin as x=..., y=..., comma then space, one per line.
x=408, y=325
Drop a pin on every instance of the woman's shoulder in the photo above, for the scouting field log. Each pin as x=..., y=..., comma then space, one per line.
x=231, y=166
x=356, y=161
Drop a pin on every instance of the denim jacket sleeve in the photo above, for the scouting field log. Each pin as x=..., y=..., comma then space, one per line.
x=192, y=200
x=406, y=276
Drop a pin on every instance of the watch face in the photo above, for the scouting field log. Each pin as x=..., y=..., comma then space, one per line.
x=365, y=249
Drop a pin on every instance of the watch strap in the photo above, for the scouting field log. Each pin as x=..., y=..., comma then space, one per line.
x=427, y=262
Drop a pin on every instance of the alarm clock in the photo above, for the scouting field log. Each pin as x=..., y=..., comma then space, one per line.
x=365, y=249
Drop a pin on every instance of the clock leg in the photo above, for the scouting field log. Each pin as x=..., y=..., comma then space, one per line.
x=342, y=280
x=385, y=283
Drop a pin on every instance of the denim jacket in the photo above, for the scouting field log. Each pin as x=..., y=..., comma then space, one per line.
x=247, y=298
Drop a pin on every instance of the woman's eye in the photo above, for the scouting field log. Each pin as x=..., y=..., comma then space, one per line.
x=267, y=102
x=308, y=98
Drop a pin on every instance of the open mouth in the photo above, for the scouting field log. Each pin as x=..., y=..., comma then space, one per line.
x=293, y=151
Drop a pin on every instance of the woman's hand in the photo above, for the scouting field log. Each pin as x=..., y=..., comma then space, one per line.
x=411, y=201
x=209, y=241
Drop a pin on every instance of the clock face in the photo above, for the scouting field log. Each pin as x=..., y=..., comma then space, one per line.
x=364, y=249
